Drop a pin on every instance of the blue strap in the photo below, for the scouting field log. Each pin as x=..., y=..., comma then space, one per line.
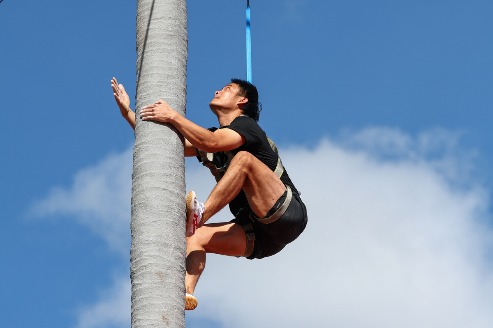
x=248, y=44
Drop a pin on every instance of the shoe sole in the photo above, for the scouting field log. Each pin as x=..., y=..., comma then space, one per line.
x=190, y=302
x=190, y=200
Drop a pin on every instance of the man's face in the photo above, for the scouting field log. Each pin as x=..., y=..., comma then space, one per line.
x=227, y=97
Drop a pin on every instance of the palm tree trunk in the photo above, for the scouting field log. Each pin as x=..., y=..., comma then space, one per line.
x=157, y=255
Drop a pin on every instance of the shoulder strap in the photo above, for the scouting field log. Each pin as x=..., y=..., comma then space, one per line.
x=279, y=167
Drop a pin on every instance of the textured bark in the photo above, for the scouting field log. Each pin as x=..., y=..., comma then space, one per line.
x=157, y=256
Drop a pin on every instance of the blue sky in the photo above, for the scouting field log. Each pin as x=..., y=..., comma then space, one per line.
x=382, y=109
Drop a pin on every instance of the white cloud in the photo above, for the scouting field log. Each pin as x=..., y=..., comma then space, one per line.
x=99, y=199
x=396, y=238
x=390, y=243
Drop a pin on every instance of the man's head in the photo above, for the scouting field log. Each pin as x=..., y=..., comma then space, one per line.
x=238, y=94
x=252, y=108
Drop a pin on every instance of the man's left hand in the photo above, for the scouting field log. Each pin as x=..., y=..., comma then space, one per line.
x=160, y=111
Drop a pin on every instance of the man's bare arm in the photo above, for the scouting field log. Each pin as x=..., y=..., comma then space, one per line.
x=123, y=102
x=219, y=140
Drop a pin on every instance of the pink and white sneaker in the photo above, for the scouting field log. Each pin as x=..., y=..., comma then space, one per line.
x=195, y=210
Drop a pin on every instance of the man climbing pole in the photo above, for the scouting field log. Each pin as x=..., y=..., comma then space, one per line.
x=267, y=208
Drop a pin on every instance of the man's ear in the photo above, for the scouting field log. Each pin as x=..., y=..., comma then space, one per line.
x=242, y=101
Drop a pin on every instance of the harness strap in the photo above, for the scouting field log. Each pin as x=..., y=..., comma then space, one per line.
x=279, y=170
x=280, y=211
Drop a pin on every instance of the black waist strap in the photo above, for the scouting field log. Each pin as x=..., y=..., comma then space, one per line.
x=280, y=211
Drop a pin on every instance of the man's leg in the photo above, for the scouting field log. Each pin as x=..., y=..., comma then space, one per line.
x=245, y=172
x=219, y=238
x=262, y=189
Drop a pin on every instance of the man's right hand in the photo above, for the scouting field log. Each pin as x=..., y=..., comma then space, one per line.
x=121, y=97
x=123, y=102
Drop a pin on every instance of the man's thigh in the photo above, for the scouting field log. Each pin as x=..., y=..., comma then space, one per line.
x=263, y=187
x=220, y=238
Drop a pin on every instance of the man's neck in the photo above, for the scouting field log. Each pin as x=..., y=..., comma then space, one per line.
x=226, y=117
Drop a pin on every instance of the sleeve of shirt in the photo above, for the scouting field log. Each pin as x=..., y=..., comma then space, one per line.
x=244, y=127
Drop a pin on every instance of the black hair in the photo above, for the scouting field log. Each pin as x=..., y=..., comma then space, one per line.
x=252, y=108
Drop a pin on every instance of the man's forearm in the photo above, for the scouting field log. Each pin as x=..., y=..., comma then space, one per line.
x=130, y=118
x=189, y=149
x=196, y=135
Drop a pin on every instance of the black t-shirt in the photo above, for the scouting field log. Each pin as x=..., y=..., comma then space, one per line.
x=258, y=145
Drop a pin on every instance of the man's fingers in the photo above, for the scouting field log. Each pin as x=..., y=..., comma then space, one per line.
x=115, y=88
x=146, y=112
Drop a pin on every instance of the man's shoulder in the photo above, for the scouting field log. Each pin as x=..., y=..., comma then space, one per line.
x=245, y=121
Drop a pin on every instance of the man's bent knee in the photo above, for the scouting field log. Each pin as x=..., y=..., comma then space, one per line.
x=198, y=240
x=243, y=159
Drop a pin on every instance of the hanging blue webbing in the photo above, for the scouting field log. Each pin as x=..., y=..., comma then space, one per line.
x=248, y=44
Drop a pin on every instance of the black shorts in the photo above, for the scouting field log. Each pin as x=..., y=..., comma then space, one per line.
x=273, y=237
